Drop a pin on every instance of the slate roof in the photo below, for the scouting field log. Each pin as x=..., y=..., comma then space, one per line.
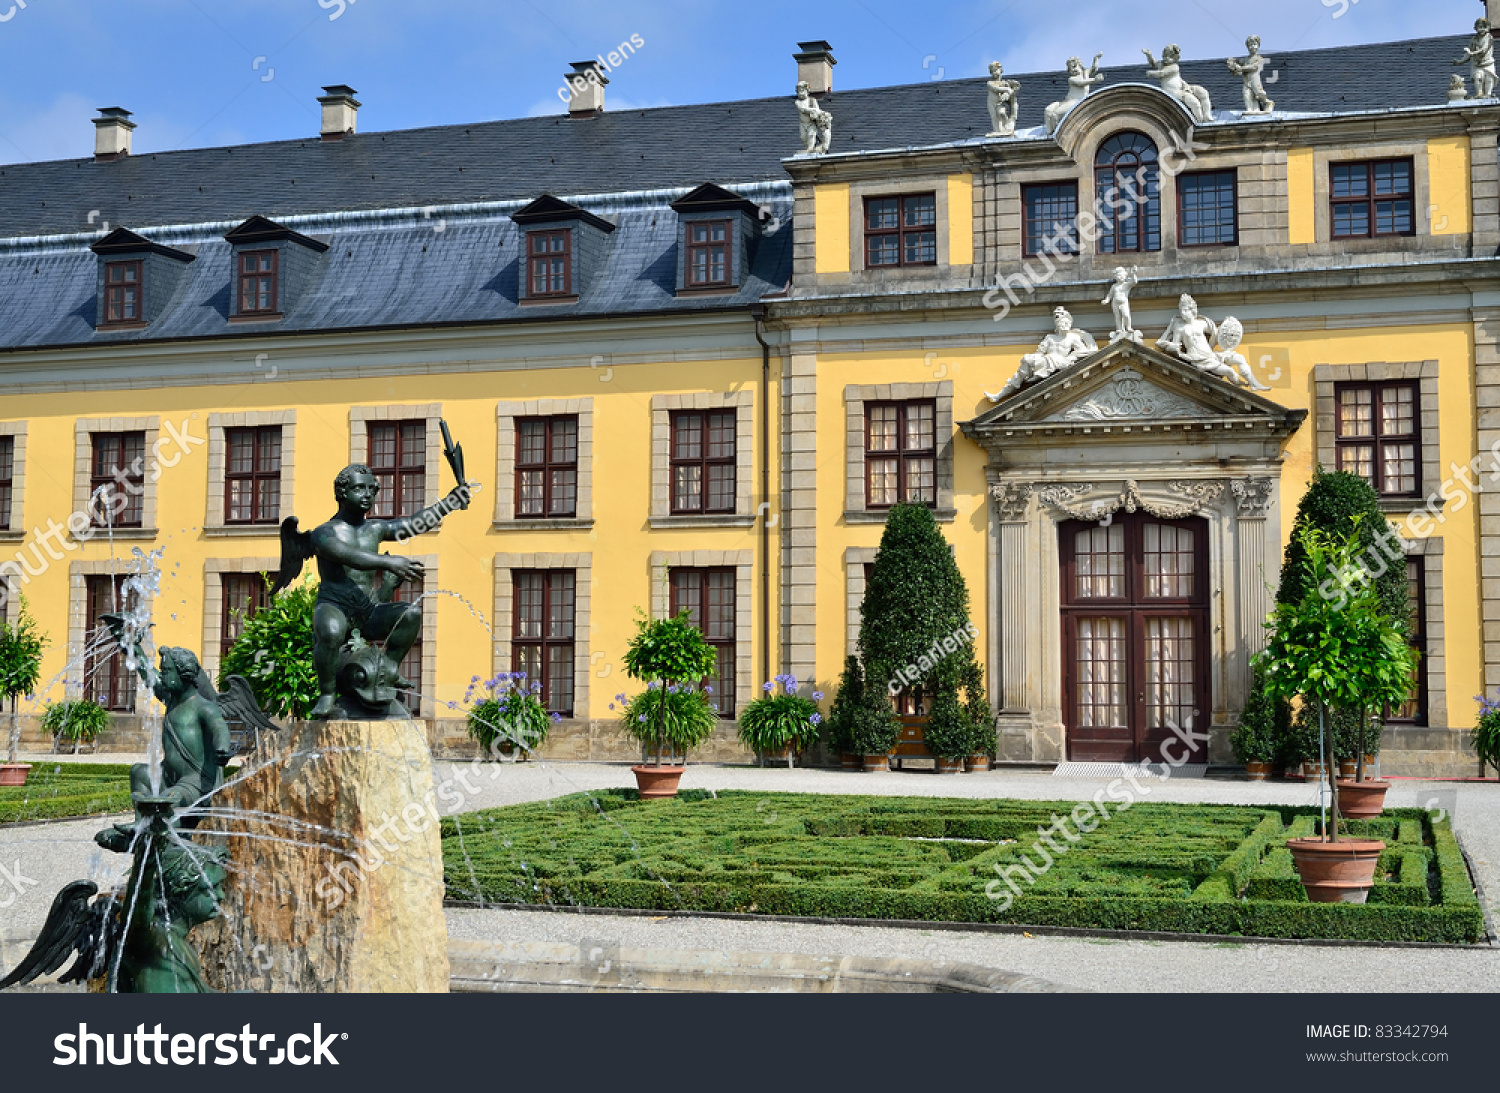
x=677, y=146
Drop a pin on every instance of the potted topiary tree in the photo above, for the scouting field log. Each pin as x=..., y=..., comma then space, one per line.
x=838, y=730
x=778, y=725
x=1335, y=647
x=21, y=645
x=981, y=718
x=1255, y=738
x=1487, y=734
x=950, y=734
x=875, y=728
x=673, y=712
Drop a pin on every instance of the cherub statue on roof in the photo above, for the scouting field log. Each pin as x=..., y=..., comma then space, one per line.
x=1169, y=74
x=1003, y=102
x=1479, y=55
x=1249, y=69
x=1080, y=81
x=816, y=124
x=1190, y=337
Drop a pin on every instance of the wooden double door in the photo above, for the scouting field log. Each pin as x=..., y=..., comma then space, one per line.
x=1135, y=637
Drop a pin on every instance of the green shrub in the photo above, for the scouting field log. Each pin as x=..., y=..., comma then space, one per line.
x=82, y=720
x=780, y=720
x=1487, y=733
x=1264, y=727
x=669, y=720
x=274, y=652
x=977, y=707
x=62, y=790
x=21, y=645
x=949, y=733
x=838, y=730
x=510, y=713
x=875, y=726
x=672, y=657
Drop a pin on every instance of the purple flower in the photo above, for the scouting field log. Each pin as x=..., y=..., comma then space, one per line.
x=642, y=719
x=556, y=717
x=768, y=687
x=453, y=705
x=653, y=685
x=474, y=680
x=708, y=689
x=817, y=696
x=816, y=719
x=611, y=705
x=673, y=689
x=619, y=698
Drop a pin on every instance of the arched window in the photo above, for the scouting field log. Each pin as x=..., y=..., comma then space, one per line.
x=1127, y=187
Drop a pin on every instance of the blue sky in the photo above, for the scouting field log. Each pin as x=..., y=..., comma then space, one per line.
x=212, y=72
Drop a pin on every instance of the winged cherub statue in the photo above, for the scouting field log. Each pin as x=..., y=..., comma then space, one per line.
x=360, y=633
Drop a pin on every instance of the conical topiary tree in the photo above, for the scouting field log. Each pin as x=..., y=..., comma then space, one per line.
x=839, y=728
x=21, y=648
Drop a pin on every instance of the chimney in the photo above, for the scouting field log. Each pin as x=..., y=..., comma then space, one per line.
x=586, y=89
x=339, y=110
x=815, y=66
x=112, y=129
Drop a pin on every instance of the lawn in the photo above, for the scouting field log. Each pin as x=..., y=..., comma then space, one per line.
x=58, y=790
x=1181, y=868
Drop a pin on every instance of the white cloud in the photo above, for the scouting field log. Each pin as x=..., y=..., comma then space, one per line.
x=58, y=131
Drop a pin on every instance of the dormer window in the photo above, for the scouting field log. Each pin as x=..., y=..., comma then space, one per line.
x=122, y=291
x=708, y=258
x=258, y=271
x=550, y=261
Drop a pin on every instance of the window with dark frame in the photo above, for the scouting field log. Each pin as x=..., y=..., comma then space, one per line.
x=901, y=231
x=243, y=594
x=106, y=677
x=1378, y=435
x=1051, y=210
x=1127, y=189
x=1208, y=209
x=1371, y=199
x=542, y=633
x=708, y=260
x=7, y=479
x=252, y=475
x=117, y=479
x=900, y=453
x=549, y=263
x=398, y=459
x=1414, y=710
x=708, y=596
x=703, y=461
x=122, y=291
x=546, y=467
x=410, y=591
x=258, y=276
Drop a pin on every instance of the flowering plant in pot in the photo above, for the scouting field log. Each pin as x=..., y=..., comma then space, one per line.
x=80, y=722
x=673, y=712
x=511, y=716
x=780, y=724
x=1335, y=646
x=21, y=645
x=1487, y=734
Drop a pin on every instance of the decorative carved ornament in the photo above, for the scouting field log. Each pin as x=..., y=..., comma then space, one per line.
x=1011, y=500
x=1253, y=496
x=1201, y=495
x=1128, y=395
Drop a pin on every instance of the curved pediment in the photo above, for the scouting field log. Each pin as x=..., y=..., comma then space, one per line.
x=1135, y=102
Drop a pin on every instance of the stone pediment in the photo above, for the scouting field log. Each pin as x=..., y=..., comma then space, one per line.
x=1130, y=388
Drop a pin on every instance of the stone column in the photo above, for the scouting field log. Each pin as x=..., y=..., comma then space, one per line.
x=1008, y=623
x=1487, y=397
x=1253, y=497
x=799, y=536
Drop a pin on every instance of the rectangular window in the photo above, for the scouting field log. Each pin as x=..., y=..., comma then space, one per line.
x=900, y=453
x=1414, y=710
x=7, y=480
x=117, y=482
x=1372, y=199
x=410, y=591
x=901, y=231
x=542, y=634
x=106, y=678
x=703, y=461
x=252, y=475
x=122, y=291
x=258, y=270
x=1377, y=435
x=1207, y=212
x=1051, y=218
x=398, y=459
x=708, y=597
x=546, y=467
x=708, y=253
x=549, y=263
x=243, y=595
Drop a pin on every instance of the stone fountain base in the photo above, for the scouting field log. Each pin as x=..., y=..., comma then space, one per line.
x=361, y=908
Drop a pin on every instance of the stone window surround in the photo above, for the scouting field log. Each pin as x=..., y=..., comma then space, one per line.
x=1430, y=550
x=1325, y=376
x=855, y=397
x=359, y=438
x=83, y=466
x=78, y=626
x=582, y=567
x=214, y=524
x=214, y=570
x=1324, y=157
x=662, y=406
x=15, y=530
x=505, y=471
x=907, y=184
x=743, y=562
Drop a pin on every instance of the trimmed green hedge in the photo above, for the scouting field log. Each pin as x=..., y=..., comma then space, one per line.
x=1173, y=868
x=56, y=791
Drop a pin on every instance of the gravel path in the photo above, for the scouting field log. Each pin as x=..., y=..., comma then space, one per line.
x=53, y=854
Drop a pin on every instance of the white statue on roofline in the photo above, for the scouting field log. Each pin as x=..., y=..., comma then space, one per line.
x=1190, y=337
x=1479, y=55
x=1249, y=69
x=1169, y=74
x=1080, y=80
x=1060, y=350
x=815, y=123
x=1004, y=105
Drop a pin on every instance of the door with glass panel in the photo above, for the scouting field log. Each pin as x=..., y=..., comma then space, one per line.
x=1135, y=629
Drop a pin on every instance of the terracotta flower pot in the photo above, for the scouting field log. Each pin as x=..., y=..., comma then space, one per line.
x=774, y=757
x=14, y=774
x=1347, y=768
x=949, y=766
x=877, y=763
x=849, y=761
x=1361, y=800
x=1341, y=872
x=1313, y=771
x=1258, y=772
x=653, y=782
x=980, y=760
